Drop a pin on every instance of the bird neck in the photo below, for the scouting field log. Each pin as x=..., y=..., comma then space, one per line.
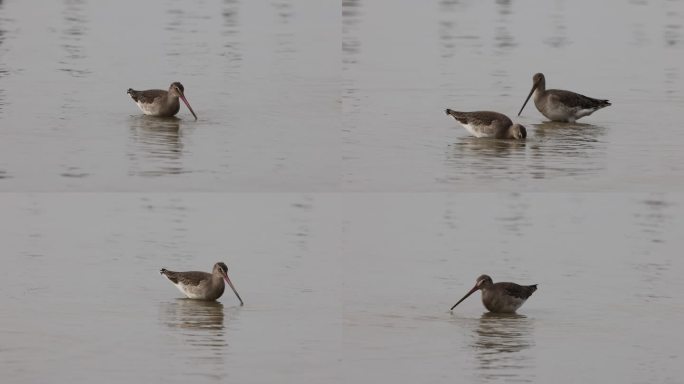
x=217, y=279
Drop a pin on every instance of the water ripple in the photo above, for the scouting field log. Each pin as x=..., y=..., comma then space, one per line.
x=500, y=344
x=157, y=146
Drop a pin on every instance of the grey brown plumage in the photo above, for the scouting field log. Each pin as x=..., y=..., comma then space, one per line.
x=519, y=291
x=503, y=297
x=561, y=105
x=187, y=278
x=488, y=124
x=161, y=103
x=202, y=285
x=147, y=96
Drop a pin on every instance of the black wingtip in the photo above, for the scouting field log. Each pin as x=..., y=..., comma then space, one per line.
x=448, y=111
x=162, y=271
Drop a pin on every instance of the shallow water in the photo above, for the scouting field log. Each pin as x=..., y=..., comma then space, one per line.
x=351, y=211
x=471, y=55
x=342, y=288
x=283, y=108
x=69, y=125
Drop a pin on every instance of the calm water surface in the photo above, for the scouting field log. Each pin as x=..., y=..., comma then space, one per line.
x=262, y=77
x=342, y=288
x=284, y=107
x=401, y=71
x=351, y=211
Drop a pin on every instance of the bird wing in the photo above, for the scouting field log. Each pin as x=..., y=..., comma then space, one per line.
x=494, y=120
x=146, y=97
x=519, y=291
x=487, y=118
x=572, y=99
x=187, y=278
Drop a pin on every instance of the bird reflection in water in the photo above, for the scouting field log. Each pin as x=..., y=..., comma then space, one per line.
x=487, y=147
x=501, y=345
x=157, y=145
x=486, y=158
x=193, y=314
x=564, y=149
x=196, y=333
x=585, y=133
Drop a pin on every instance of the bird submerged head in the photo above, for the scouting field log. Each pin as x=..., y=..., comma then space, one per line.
x=517, y=131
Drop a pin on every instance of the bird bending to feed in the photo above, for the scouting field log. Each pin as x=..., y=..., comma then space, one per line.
x=560, y=105
x=202, y=285
x=161, y=103
x=500, y=297
x=489, y=124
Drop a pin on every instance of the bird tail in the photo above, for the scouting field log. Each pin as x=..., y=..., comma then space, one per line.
x=452, y=112
x=456, y=115
x=133, y=93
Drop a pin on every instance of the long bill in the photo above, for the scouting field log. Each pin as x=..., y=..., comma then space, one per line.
x=189, y=107
x=528, y=98
x=475, y=288
x=233, y=288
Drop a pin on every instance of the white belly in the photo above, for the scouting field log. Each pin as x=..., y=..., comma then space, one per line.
x=187, y=292
x=149, y=109
x=475, y=130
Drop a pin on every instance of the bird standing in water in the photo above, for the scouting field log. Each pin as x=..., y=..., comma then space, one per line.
x=160, y=103
x=500, y=297
x=560, y=105
x=202, y=285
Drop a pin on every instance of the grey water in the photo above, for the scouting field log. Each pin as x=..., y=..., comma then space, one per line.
x=351, y=211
